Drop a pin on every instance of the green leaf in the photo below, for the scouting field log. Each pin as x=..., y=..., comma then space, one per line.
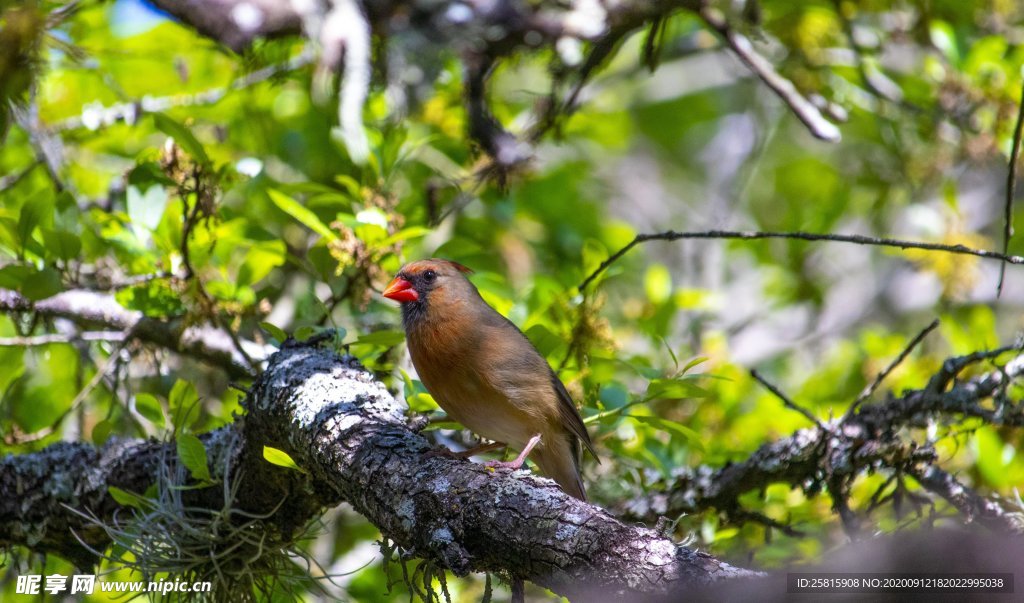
x=298, y=211
x=155, y=298
x=384, y=337
x=43, y=284
x=280, y=458
x=672, y=427
x=421, y=402
x=261, y=258
x=101, y=432
x=658, y=284
x=146, y=209
x=274, y=331
x=65, y=245
x=692, y=363
x=413, y=232
x=304, y=333
x=32, y=214
x=14, y=275
x=128, y=499
x=184, y=404
x=674, y=389
x=182, y=136
x=149, y=407
x=192, y=453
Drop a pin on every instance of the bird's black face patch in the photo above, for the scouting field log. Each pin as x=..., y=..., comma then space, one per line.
x=423, y=282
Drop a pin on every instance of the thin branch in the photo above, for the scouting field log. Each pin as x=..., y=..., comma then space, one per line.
x=503, y=147
x=236, y=23
x=12, y=180
x=804, y=110
x=51, y=338
x=785, y=399
x=972, y=505
x=1011, y=185
x=91, y=309
x=96, y=116
x=761, y=518
x=871, y=440
x=672, y=235
x=101, y=372
x=870, y=389
x=49, y=149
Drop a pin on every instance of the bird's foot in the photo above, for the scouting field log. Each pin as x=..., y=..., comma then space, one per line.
x=513, y=465
x=464, y=454
x=519, y=460
x=442, y=452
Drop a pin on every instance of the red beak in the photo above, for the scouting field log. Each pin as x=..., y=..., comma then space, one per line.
x=401, y=291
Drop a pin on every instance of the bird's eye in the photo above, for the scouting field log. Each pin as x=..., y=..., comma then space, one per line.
x=429, y=276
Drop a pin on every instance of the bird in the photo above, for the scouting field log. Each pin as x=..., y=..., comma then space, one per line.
x=484, y=372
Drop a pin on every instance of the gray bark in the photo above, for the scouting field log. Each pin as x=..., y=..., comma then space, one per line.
x=355, y=444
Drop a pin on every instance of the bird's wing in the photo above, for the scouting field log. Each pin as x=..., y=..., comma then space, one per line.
x=570, y=416
x=521, y=360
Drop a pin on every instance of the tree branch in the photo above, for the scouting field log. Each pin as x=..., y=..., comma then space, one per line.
x=806, y=112
x=354, y=444
x=235, y=23
x=92, y=309
x=868, y=439
x=748, y=235
x=1011, y=188
x=870, y=389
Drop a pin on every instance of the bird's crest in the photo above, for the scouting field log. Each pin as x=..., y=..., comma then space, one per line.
x=457, y=266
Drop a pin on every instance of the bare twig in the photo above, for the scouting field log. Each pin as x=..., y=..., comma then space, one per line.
x=49, y=149
x=761, y=518
x=874, y=438
x=96, y=116
x=785, y=399
x=672, y=235
x=870, y=389
x=972, y=505
x=806, y=112
x=12, y=180
x=101, y=372
x=37, y=340
x=92, y=309
x=503, y=147
x=1011, y=185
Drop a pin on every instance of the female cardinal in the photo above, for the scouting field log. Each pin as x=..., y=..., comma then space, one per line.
x=485, y=373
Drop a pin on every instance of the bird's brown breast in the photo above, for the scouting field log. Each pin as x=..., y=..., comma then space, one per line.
x=458, y=369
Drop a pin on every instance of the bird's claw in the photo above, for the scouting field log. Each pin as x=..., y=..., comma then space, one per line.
x=513, y=465
x=441, y=453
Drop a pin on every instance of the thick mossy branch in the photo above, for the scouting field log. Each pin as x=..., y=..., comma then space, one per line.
x=872, y=438
x=353, y=441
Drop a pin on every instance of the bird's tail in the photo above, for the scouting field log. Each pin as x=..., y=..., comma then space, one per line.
x=559, y=460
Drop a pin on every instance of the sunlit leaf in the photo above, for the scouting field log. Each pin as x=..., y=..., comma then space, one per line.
x=280, y=458
x=149, y=407
x=182, y=136
x=183, y=403
x=192, y=454
x=128, y=499
x=306, y=217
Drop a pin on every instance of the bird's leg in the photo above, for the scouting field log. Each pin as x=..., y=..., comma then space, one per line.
x=475, y=450
x=518, y=462
x=464, y=454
